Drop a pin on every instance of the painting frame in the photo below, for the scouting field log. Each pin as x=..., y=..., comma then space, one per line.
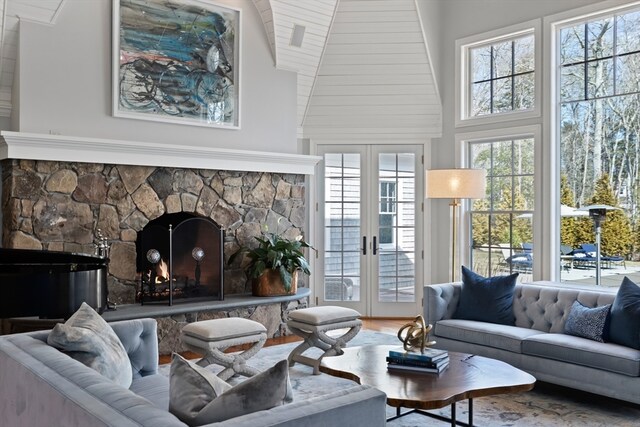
x=177, y=61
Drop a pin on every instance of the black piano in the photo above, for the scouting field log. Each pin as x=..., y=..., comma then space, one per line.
x=51, y=285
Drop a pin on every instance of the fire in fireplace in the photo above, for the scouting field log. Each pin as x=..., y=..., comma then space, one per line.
x=180, y=256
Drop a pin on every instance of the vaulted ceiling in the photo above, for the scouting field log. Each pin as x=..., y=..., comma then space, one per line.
x=332, y=36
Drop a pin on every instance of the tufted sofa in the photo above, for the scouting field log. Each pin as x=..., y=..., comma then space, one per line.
x=536, y=343
x=40, y=386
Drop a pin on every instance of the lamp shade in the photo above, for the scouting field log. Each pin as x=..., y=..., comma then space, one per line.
x=456, y=183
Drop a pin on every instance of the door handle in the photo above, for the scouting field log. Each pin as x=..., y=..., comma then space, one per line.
x=364, y=245
x=375, y=249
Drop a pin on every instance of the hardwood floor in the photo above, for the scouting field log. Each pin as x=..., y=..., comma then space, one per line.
x=389, y=326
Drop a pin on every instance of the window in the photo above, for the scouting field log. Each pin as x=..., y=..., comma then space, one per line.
x=387, y=211
x=599, y=129
x=501, y=224
x=497, y=75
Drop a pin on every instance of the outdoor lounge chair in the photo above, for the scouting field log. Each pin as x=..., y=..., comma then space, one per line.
x=521, y=262
x=605, y=260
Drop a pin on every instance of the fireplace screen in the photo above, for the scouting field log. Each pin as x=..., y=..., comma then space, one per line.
x=180, y=256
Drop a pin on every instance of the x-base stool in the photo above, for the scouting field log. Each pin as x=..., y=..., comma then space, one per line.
x=213, y=337
x=313, y=323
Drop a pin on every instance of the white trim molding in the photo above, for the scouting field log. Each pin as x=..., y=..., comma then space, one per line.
x=33, y=146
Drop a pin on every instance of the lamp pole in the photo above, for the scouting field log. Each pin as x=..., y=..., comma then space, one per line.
x=454, y=236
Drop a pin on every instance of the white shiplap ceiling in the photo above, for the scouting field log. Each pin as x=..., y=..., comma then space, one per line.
x=375, y=82
x=370, y=64
x=279, y=18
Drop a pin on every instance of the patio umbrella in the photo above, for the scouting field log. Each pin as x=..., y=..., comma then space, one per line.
x=569, y=211
x=564, y=211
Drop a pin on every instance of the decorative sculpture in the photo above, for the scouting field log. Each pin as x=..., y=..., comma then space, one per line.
x=415, y=335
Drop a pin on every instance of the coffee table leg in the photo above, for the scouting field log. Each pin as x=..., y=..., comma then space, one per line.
x=453, y=414
x=470, y=412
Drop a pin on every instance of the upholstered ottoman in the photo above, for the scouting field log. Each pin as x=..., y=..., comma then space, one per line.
x=213, y=337
x=313, y=323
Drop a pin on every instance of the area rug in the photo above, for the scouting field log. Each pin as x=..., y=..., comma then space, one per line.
x=546, y=405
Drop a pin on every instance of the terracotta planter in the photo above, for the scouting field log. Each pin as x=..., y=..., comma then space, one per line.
x=269, y=284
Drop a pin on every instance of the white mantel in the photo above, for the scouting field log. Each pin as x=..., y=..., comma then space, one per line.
x=33, y=146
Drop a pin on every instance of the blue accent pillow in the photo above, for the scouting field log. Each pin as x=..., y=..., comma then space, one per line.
x=587, y=322
x=624, y=326
x=486, y=299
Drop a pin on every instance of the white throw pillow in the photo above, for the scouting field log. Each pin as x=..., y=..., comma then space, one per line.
x=197, y=396
x=89, y=339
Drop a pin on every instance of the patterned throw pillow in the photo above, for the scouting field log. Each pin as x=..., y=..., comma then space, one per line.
x=587, y=322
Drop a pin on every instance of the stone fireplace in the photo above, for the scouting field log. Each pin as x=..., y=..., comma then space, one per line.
x=60, y=206
x=56, y=197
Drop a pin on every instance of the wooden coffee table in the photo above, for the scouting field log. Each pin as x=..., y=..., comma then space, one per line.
x=467, y=377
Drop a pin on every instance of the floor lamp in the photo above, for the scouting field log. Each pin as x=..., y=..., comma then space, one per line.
x=455, y=184
x=598, y=213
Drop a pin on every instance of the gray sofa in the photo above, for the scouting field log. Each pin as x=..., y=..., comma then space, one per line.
x=40, y=386
x=537, y=344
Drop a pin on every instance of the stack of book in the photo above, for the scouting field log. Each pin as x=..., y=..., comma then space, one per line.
x=431, y=361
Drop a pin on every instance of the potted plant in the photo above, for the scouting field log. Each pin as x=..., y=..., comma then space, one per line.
x=274, y=264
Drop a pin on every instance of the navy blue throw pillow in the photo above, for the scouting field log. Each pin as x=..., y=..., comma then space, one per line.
x=587, y=322
x=624, y=325
x=486, y=299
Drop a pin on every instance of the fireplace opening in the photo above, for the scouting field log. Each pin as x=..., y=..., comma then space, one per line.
x=180, y=257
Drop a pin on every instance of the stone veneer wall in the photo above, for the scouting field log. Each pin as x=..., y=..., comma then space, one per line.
x=60, y=206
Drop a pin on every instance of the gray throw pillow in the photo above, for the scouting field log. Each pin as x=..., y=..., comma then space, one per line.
x=624, y=326
x=486, y=299
x=587, y=322
x=88, y=338
x=197, y=396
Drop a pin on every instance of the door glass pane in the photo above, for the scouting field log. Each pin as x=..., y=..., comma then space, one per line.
x=342, y=227
x=396, y=227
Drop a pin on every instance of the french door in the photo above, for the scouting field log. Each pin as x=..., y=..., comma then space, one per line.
x=369, y=221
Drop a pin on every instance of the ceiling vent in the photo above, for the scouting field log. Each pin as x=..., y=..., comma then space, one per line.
x=297, y=35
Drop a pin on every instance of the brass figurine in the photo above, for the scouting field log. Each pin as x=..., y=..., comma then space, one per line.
x=415, y=335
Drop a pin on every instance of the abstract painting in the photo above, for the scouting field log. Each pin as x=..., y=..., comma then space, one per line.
x=176, y=61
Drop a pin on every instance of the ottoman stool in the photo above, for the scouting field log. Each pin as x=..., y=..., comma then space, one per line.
x=313, y=323
x=212, y=337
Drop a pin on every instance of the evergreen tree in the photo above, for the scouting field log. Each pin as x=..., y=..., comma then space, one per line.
x=616, y=235
x=567, y=224
x=480, y=223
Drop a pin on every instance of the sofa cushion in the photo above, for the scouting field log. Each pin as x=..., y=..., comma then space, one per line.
x=154, y=388
x=489, y=334
x=486, y=299
x=624, y=326
x=89, y=339
x=198, y=396
x=587, y=322
x=582, y=351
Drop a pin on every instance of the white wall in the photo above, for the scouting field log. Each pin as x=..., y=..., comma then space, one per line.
x=65, y=86
x=458, y=19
